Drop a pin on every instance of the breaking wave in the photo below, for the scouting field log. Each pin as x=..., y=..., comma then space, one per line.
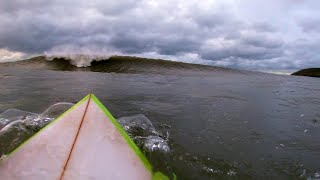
x=113, y=64
x=79, y=60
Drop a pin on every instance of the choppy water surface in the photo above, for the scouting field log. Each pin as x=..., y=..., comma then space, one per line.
x=201, y=124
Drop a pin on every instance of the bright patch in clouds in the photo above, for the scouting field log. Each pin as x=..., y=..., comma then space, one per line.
x=8, y=56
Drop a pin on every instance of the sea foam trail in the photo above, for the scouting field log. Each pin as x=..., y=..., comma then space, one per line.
x=79, y=60
x=16, y=126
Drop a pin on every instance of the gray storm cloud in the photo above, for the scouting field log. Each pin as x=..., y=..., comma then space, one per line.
x=225, y=33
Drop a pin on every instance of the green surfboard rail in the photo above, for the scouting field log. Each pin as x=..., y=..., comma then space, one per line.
x=155, y=175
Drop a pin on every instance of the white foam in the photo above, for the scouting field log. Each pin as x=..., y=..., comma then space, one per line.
x=79, y=60
x=142, y=131
x=80, y=56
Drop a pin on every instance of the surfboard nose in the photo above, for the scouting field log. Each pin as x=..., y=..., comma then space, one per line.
x=85, y=142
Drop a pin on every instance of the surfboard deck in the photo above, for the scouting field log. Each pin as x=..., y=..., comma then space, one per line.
x=86, y=142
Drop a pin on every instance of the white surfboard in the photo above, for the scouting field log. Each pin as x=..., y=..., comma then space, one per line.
x=86, y=142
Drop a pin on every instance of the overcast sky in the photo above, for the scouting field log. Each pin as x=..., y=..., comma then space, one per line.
x=272, y=35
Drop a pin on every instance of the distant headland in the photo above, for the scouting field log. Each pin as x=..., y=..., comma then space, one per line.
x=311, y=72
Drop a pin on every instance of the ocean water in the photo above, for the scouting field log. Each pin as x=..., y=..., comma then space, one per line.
x=197, y=121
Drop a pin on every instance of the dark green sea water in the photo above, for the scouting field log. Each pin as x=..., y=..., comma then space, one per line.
x=221, y=124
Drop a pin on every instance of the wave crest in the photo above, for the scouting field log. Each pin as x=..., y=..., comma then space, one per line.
x=79, y=60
